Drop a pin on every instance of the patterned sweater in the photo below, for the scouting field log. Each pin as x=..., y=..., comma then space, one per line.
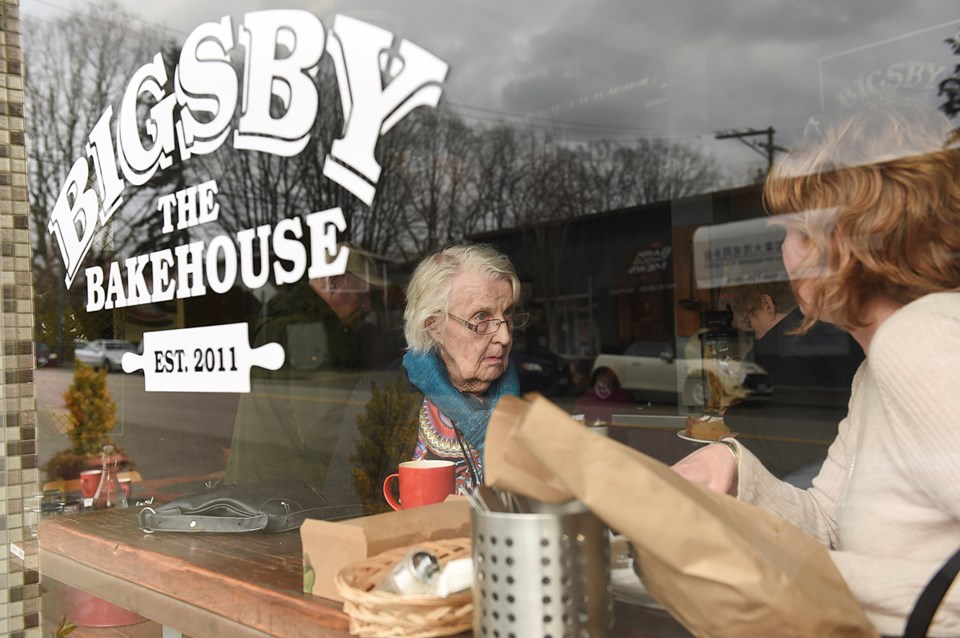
x=887, y=500
x=437, y=440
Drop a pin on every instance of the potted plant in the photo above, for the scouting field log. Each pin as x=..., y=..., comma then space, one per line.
x=388, y=435
x=93, y=415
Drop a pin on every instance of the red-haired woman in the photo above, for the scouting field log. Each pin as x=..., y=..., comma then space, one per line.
x=872, y=213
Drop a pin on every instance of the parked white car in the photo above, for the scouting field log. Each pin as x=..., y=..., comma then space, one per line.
x=653, y=368
x=103, y=353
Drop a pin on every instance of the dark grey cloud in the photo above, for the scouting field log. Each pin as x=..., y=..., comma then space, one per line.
x=682, y=69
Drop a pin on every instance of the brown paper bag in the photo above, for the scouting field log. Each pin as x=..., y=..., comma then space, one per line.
x=721, y=567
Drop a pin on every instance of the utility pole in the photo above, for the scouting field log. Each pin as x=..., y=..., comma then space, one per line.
x=767, y=149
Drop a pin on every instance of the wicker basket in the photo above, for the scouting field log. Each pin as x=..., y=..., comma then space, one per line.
x=378, y=614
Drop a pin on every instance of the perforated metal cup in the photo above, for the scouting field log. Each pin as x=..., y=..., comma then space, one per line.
x=544, y=574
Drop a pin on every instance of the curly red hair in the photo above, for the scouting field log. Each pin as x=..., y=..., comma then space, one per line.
x=878, y=199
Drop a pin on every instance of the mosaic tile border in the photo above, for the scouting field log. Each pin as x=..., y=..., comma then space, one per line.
x=19, y=577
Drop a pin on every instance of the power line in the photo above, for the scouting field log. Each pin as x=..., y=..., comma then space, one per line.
x=556, y=121
x=533, y=121
x=547, y=122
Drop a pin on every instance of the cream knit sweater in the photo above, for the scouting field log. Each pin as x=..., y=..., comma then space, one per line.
x=887, y=500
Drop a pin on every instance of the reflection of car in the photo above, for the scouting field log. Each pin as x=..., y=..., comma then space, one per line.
x=103, y=353
x=652, y=368
x=542, y=372
x=46, y=357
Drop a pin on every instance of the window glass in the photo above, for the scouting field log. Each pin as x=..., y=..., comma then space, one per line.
x=228, y=205
x=196, y=210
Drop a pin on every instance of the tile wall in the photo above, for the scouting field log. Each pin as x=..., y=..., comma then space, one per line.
x=19, y=577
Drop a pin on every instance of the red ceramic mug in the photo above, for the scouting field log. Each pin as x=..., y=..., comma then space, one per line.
x=421, y=483
x=89, y=480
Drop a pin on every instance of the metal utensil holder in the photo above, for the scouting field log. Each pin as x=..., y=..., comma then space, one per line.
x=541, y=574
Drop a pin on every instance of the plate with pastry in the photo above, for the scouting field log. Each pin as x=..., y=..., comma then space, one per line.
x=706, y=428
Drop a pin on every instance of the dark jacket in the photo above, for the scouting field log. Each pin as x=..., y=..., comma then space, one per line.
x=810, y=376
x=293, y=418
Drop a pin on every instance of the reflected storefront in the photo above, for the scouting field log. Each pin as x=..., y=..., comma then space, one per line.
x=233, y=201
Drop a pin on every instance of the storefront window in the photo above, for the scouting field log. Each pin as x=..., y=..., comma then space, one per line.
x=227, y=206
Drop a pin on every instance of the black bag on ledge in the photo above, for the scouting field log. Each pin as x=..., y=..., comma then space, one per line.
x=277, y=505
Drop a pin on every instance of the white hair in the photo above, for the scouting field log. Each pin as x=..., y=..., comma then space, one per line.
x=428, y=294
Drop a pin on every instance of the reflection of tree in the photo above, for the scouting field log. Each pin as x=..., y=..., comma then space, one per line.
x=498, y=178
x=76, y=66
x=544, y=253
x=950, y=87
x=553, y=196
x=138, y=230
x=439, y=166
x=645, y=171
x=254, y=188
x=92, y=414
x=388, y=435
x=260, y=188
x=73, y=73
x=443, y=177
x=378, y=228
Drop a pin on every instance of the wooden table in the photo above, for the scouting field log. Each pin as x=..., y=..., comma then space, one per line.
x=234, y=585
x=199, y=584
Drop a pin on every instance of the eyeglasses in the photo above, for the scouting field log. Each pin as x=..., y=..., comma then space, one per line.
x=744, y=314
x=490, y=326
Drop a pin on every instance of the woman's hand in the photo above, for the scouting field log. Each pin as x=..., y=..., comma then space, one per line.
x=714, y=466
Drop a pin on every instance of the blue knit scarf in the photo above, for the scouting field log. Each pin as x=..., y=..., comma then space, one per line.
x=429, y=374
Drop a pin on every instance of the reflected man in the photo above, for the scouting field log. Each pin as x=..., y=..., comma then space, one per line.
x=331, y=330
x=810, y=376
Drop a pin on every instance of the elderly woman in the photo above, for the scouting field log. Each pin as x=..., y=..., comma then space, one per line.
x=872, y=212
x=459, y=322
x=436, y=401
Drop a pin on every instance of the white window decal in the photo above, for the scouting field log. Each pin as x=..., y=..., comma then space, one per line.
x=290, y=78
x=207, y=359
x=137, y=161
x=206, y=83
x=271, y=109
x=361, y=55
x=380, y=81
x=185, y=271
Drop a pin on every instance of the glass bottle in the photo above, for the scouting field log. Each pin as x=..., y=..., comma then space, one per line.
x=109, y=493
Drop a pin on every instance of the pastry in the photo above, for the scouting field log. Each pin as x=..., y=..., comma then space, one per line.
x=708, y=427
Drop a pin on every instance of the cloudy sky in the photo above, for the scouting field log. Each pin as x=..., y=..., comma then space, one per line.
x=677, y=69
